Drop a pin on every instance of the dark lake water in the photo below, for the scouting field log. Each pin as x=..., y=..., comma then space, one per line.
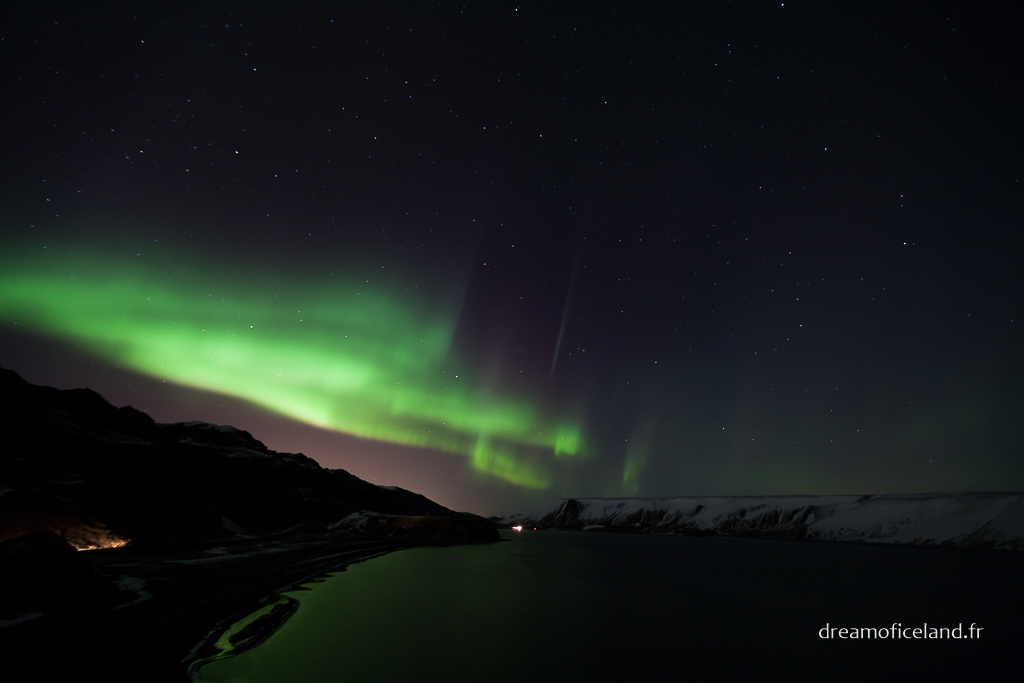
x=559, y=606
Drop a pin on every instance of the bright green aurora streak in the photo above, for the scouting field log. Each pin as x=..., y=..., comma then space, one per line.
x=369, y=361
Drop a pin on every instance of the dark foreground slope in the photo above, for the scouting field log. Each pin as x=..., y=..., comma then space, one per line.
x=73, y=464
x=184, y=527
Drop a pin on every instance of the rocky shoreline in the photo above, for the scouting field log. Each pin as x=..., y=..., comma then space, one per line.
x=130, y=550
x=123, y=615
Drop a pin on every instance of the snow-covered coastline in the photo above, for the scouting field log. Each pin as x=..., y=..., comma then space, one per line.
x=971, y=520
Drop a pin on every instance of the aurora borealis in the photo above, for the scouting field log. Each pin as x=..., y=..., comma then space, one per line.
x=501, y=254
x=349, y=357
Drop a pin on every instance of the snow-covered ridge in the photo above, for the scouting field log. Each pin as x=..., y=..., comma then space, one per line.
x=977, y=520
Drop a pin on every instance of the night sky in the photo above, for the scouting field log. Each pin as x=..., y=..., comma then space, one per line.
x=500, y=253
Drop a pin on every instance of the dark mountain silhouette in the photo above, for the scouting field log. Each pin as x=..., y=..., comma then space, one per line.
x=187, y=527
x=97, y=476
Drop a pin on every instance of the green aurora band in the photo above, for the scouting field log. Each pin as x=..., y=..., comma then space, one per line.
x=368, y=361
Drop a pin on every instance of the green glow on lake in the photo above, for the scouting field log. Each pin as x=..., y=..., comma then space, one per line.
x=371, y=360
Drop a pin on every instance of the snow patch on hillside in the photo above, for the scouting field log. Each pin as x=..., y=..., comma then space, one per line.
x=988, y=520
